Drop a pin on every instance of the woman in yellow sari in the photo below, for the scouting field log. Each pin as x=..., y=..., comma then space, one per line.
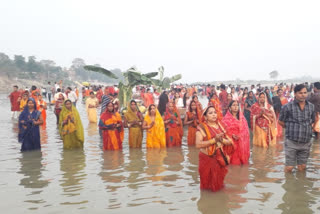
x=263, y=121
x=153, y=123
x=133, y=120
x=91, y=107
x=70, y=126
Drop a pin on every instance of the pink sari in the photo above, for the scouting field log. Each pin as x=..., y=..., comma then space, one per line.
x=242, y=146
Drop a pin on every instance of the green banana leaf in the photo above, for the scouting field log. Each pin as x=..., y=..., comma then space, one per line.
x=151, y=74
x=175, y=78
x=100, y=70
x=166, y=82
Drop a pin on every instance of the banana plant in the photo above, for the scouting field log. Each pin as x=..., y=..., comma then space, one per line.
x=132, y=78
x=164, y=82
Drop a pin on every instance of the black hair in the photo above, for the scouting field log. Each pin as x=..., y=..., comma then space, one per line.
x=299, y=87
x=69, y=88
x=317, y=85
x=191, y=104
x=33, y=87
x=222, y=86
x=206, y=111
x=91, y=92
x=15, y=86
x=230, y=104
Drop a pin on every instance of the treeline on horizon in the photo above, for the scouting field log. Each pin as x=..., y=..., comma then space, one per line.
x=46, y=70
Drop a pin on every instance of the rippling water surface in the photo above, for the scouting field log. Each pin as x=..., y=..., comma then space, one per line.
x=139, y=180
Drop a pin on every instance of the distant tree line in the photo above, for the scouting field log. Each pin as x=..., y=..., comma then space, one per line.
x=47, y=70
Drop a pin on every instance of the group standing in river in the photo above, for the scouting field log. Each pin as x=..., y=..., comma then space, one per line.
x=221, y=130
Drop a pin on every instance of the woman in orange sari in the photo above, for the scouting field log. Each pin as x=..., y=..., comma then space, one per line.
x=263, y=121
x=153, y=123
x=173, y=124
x=112, y=128
x=199, y=106
x=192, y=119
x=215, y=146
x=116, y=106
x=215, y=102
x=42, y=107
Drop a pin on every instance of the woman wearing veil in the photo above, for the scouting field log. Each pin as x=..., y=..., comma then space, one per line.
x=263, y=121
x=70, y=126
x=29, y=121
x=153, y=123
x=173, y=124
x=133, y=119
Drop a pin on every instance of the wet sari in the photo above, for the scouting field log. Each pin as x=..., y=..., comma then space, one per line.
x=264, y=129
x=29, y=134
x=135, y=131
x=211, y=170
x=92, y=111
x=41, y=107
x=111, y=134
x=156, y=136
x=71, y=132
x=216, y=104
x=240, y=128
x=192, y=129
x=174, y=129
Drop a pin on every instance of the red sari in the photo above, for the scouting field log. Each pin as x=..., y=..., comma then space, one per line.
x=111, y=134
x=216, y=104
x=174, y=131
x=242, y=145
x=148, y=99
x=212, y=173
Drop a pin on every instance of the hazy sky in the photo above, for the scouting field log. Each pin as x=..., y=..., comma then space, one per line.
x=202, y=40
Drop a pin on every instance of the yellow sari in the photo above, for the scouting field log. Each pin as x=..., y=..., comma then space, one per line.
x=92, y=112
x=156, y=136
x=135, y=131
x=72, y=132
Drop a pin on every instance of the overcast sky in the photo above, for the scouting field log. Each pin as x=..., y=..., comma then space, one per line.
x=202, y=40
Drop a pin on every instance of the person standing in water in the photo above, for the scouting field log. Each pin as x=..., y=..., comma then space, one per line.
x=297, y=117
x=14, y=100
x=29, y=132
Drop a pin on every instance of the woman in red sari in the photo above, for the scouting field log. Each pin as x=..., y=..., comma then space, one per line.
x=112, y=128
x=199, y=106
x=263, y=122
x=215, y=146
x=173, y=124
x=192, y=119
x=237, y=126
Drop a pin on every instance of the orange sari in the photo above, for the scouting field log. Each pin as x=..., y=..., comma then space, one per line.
x=41, y=107
x=192, y=129
x=174, y=130
x=111, y=134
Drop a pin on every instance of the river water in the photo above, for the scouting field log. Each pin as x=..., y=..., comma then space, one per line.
x=140, y=180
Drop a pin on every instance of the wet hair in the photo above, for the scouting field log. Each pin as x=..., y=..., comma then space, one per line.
x=299, y=88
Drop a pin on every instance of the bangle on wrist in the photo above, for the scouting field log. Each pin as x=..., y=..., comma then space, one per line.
x=212, y=141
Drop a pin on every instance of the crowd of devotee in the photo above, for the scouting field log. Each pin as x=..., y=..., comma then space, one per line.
x=220, y=129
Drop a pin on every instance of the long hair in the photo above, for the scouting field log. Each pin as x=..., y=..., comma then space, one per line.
x=229, y=106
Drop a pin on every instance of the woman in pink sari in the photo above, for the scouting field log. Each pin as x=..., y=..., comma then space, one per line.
x=237, y=127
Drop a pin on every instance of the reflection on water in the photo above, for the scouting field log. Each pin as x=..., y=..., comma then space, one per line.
x=142, y=180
